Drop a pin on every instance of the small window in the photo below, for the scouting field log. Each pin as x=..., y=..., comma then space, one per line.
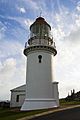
x=40, y=57
x=17, y=98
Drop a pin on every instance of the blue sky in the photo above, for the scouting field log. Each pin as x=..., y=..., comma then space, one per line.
x=15, y=18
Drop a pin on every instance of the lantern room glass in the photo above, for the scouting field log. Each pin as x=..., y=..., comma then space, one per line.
x=40, y=30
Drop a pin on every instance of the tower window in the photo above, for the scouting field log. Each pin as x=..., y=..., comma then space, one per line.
x=17, y=98
x=40, y=57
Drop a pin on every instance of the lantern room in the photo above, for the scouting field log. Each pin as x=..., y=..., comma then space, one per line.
x=40, y=33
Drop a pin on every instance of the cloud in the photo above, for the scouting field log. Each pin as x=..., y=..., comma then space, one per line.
x=22, y=10
x=67, y=62
x=12, y=67
x=77, y=21
x=7, y=69
x=16, y=24
x=28, y=22
x=2, y=30
x=78, y=6
x=12, y=74
x=74, y=36
x=31, y=4
x=66, y=33
x=10, y=48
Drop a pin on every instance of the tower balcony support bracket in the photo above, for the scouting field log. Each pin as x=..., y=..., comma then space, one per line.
x=50, y=49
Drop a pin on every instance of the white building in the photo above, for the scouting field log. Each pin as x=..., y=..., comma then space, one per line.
x=18, y=96
x=40, y=52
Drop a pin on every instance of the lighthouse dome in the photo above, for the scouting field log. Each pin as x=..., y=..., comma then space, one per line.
x=40, y=28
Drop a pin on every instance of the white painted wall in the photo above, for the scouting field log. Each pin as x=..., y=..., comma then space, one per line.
x=17, y=91
x=56, y=92
x=39, y=75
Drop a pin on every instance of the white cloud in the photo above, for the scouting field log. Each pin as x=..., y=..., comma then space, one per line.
x=12, y=74
x=7, y=69
x=21, y=9
x=32, y=4
x=74, y=36
x=24, y=22
x=68, y=63
x=78, y=6
x=12, y=66
x=66, y=33
x=77, y=20
x=2, y=30
x=28, y=22
x=10, y=48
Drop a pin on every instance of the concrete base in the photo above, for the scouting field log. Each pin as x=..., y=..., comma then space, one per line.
x=33, y=104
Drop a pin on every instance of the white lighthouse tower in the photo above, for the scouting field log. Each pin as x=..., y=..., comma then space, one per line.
x=41, y=90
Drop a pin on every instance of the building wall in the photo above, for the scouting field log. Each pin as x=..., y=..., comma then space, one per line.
x=20, y=93
x=56, y=92
x=17, y=98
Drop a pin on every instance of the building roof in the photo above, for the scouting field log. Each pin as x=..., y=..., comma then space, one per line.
x=20, y=88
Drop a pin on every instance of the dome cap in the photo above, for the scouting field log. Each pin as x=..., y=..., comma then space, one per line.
x=40, y=20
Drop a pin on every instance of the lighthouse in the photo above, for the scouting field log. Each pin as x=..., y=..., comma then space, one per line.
x=41, y=89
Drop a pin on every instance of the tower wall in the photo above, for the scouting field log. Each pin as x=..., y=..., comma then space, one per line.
x=39, y=75
x=41, y=93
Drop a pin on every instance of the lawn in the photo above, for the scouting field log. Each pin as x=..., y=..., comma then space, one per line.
x=63, y=102
x=13, y=114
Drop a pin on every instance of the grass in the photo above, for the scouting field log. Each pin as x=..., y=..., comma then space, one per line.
x=15, y=113
x=63, y=102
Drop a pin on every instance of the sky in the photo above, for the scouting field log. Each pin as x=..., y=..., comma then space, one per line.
x=16, y=16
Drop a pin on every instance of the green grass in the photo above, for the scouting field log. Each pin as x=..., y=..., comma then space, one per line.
x=63, y=102
x=13, y=114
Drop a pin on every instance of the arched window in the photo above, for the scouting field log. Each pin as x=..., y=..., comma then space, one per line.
x=40, y=57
